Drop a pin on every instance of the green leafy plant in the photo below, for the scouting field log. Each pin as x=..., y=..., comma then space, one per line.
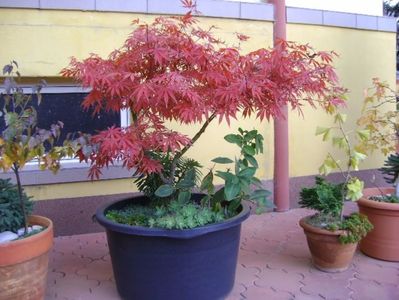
x=237, y=184
x=11, y=217
x=173, y=208
x=346, y=141
x=21, y=141
x=324, y=196
x=173, y=215
x=391, y=168
x=328, y=198
x=380, y=117
x=356, y=227
x=240, y=184
x=391, y=172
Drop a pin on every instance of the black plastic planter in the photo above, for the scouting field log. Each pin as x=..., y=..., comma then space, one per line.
x=152, y=263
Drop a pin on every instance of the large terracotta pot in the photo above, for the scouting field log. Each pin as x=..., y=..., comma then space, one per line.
x=328, y=254
x=23, y=264
x=383, y=241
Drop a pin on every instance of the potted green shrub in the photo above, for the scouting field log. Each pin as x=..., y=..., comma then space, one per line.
x=332, y=237
x=381, y=204
x=25, y=239
x=171, y=242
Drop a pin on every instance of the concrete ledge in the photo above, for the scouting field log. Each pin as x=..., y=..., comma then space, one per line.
x=74, y=173
x=304, y=16
x=122, y=5
x=216, y=8
x=68, y=4
x=74, y=215
x=387, y=24
x=20, y=3
x=366, y=22
x=256, y=11
x=332, y=18
x=165, y=7
x=224, y=9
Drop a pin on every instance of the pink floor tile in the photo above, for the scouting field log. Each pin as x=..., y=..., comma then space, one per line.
x=274, y=263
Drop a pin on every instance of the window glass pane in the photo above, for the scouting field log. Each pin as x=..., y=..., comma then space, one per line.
x=66, y=107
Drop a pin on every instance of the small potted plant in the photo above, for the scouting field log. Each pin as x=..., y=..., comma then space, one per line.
x=332, y=237
x=25, y=239
x=381, y=204
x=171, y=242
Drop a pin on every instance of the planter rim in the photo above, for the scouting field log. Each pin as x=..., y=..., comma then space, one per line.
x=168, y=233
x=365, y=202
x=18, y=251
x=314, y=229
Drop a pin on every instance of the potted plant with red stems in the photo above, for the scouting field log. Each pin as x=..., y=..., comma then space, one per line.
x=172, y=243
x=25, y=239
x=381, y=204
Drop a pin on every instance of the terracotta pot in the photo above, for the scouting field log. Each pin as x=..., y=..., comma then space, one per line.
x=328, y=254
x=23, y=264
x=383, y=241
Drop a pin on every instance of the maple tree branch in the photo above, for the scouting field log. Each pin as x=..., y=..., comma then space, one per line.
x=195, y=138
x=163, y=178
x=185, y=149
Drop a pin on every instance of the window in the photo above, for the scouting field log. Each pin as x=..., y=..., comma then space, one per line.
x=63, y=103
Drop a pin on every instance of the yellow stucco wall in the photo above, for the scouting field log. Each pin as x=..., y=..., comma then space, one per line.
x=363, y=55
x=43, y=40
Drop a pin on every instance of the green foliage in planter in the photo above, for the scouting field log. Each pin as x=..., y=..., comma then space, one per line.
x=11, y=215
x=385, y=198
x=172, y=207
x=238, y=184
x=187, y=174
x=391, y=168
x=325, y=197
x=356, y=227
x=172, y=215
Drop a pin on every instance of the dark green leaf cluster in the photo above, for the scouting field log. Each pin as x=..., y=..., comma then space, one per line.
x=240, y=183
x=173, y=215
x=356, y=227
x=325, y=197
x=11, y=215
x=391, y=168
x=187, y=174
x=180, y=177
x=385, y=198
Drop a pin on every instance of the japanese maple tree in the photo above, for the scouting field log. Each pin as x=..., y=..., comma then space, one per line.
x=173, y=70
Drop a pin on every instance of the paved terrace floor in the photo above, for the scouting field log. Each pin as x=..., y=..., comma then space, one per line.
x=274, y=263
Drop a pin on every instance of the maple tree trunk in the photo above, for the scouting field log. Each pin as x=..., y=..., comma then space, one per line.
x=185, y=149
x=195, y=138
x=21, y=199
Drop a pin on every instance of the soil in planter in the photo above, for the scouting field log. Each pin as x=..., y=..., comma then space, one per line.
x=173, y=215
x=355, y=226
x=385, y=198
x=30, y=233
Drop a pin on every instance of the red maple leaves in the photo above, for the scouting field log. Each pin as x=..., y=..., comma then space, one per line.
x=171, y=70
